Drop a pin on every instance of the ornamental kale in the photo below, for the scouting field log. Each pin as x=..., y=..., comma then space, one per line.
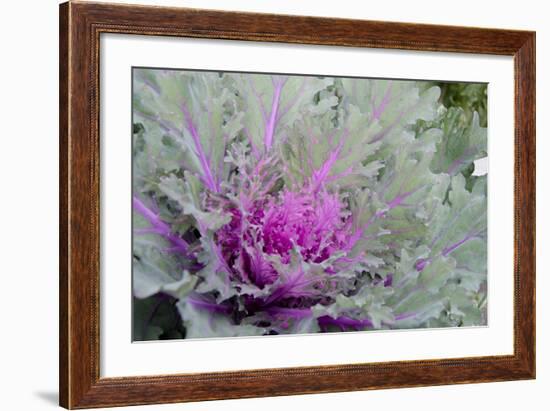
x=273, y=204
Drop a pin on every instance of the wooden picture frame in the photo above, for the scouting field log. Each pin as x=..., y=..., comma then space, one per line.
x=80, y=27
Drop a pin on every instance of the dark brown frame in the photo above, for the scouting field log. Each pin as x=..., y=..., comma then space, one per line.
x=80, y=27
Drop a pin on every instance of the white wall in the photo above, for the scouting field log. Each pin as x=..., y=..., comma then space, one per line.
x=28, y=205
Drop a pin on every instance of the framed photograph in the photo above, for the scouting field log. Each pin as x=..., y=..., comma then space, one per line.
x=260, y=205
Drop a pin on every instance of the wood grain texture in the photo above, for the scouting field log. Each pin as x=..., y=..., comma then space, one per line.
x=80, y=27
x=525, y=202
x=63, y=204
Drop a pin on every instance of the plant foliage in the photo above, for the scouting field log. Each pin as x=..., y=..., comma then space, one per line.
x=272, y=204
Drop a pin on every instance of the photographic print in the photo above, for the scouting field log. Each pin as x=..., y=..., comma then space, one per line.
x=271, y=204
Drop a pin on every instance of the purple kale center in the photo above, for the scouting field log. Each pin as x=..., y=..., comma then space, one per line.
x=314, y=223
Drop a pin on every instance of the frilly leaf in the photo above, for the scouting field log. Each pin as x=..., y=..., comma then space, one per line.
x=200, y=323
x=196, y=110
x=272, y=103
x=186, y=193
x=461, y=144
